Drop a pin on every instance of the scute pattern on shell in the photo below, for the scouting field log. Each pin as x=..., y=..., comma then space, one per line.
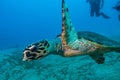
x=100, y=39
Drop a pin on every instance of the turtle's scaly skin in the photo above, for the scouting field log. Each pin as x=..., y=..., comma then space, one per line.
x=72, y=43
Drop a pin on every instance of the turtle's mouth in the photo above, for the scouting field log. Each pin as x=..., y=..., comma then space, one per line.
x=40, y=57
x=32, y=58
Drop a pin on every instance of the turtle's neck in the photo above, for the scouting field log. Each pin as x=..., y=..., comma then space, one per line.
x=56, y=47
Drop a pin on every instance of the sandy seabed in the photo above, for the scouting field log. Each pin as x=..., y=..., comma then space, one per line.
x=56, y=67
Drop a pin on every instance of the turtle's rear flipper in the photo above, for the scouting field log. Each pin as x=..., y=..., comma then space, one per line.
x=99, y=58
x=117, y=49
x=69, y=34
x=113, y=49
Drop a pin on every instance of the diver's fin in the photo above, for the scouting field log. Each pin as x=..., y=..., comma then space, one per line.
x=99, y=58
x=68, y=32
x=104, y=15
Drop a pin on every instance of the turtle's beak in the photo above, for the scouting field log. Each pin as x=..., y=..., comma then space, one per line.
x=24, y=57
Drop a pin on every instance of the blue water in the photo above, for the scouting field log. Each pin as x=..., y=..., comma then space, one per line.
x=23, y=22
x=26, y=21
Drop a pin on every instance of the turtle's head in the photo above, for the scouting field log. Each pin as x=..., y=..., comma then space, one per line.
x=36, y=51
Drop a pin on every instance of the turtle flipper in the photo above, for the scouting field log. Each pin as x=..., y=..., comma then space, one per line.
x=68, y=32
x=99, y=58
x=116, y=49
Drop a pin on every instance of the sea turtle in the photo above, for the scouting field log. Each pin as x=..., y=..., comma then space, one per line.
x=71, y=43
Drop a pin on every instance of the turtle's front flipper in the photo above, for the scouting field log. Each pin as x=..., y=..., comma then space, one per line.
x=69, y=34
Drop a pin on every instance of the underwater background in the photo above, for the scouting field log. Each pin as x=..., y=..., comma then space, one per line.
x=23, y=22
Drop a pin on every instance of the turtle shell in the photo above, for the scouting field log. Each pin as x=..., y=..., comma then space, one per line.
x=100, y=39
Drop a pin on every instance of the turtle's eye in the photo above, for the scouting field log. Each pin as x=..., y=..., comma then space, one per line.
x=28, y=54
x=34, y=49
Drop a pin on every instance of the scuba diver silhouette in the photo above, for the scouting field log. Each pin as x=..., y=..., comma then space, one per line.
x=96, y=5
x=117, y=7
